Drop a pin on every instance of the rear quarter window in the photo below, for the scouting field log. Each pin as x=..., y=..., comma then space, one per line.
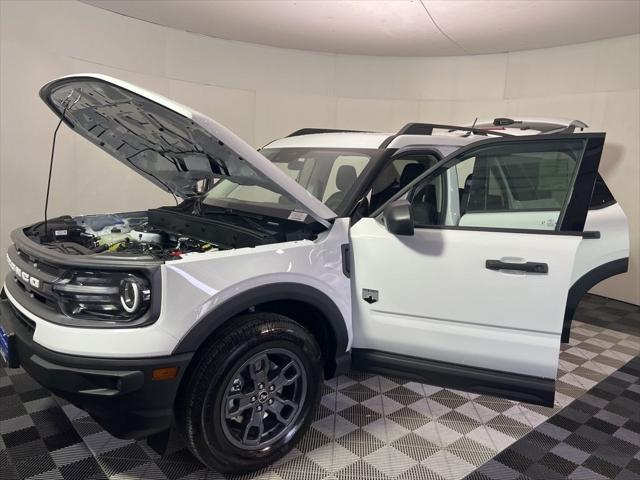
x=602, y=196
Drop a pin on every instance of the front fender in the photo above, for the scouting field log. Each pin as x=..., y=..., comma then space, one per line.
x=202, y=292
x=269, y=292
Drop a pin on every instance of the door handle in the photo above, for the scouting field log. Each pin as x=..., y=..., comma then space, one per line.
x=530, y=267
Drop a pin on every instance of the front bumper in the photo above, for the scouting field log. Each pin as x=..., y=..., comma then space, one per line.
x=120, y=394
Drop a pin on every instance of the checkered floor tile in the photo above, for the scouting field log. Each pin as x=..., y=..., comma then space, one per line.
x=610, y=314
x=377, y=427
x=597, y=437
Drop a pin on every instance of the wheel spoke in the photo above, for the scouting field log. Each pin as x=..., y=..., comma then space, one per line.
x=279, y=406
x=285, y=376
x=254, y=425
x=258, y=370
x=240, y=402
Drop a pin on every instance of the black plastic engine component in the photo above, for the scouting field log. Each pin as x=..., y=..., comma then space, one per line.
x=206, y=229
x=61, y=229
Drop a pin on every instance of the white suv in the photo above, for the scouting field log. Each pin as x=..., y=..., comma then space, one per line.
x=449, y=255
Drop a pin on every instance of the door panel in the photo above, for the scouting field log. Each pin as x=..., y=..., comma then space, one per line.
x=437, y=300
x=481, y=300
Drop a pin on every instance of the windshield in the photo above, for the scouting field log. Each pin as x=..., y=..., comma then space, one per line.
x=328, y=174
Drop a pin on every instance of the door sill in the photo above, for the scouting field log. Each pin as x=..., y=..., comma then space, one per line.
x=524, y=388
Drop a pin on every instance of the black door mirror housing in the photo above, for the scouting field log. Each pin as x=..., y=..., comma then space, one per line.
x=398, y=218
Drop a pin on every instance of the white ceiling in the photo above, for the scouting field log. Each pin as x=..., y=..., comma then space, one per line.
x=393, y=27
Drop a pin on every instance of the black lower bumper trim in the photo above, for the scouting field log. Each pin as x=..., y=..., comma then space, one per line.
x=120, y=394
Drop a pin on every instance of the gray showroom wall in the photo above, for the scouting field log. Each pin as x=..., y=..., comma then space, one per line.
x=263, y=93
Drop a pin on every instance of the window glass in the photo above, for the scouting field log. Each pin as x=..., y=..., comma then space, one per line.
x=358, y=162
x=601, y=196
x=397, y=175
x=258, y=194
x=464, y=170
x=326, y=173
x=520, y=185
x=539, y=181
x=427, y=202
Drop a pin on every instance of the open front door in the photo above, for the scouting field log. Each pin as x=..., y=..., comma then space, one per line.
x=475, y=297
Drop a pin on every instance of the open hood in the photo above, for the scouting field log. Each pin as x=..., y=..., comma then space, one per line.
x=169, y=144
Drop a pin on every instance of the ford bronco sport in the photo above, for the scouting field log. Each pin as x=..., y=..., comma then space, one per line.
x=447, y=254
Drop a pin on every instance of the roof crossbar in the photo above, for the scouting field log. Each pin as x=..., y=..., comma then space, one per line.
x=428, y=128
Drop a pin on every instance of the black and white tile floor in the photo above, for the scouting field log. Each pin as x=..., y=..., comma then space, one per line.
x=376, y=427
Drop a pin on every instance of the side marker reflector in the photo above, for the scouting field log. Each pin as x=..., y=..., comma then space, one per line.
x=166, y=373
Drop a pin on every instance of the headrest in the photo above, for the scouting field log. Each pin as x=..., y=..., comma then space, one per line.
x=346, y=177
x=467, y=182
x=410, y=172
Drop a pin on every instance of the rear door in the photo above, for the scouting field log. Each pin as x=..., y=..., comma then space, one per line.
x=475, y=297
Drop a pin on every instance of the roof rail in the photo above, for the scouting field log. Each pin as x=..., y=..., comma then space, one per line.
x=308, y=131
x=544, y=125
x=428, y=128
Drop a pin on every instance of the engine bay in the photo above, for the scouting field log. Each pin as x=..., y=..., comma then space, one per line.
x=165, y=233
x=115, y=234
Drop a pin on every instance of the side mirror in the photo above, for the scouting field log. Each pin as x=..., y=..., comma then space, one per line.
x=398, y=218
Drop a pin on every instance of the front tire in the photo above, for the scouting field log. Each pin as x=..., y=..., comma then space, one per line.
x=251, y=393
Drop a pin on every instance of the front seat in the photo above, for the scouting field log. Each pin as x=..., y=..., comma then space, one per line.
x=425, y=208
x=424, y=200
x=464, y=197
x=384, y=187
x=345, y=179
x=410, y=172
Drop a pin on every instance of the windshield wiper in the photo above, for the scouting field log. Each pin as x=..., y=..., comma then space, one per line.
x=249, y=220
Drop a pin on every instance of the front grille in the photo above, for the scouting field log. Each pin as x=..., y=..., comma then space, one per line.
x=41, y=266
x=45, y=300
x=45, y=274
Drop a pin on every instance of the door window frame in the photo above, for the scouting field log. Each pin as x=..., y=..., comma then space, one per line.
x=574, y=211
x=376, y=166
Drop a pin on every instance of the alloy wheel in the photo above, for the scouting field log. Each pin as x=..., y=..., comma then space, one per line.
x=263, y=399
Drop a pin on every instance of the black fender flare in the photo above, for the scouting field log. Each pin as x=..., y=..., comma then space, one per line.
x=584, y=284
x=263, y=294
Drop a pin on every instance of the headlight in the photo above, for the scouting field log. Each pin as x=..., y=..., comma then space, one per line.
x=131, y=293
x=103, y=295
